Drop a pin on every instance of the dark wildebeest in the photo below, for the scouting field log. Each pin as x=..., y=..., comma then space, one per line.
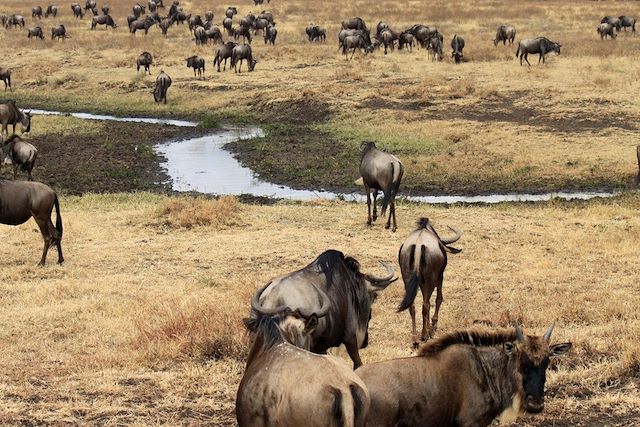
x=247, y=21
x=35, y=32
x=208, y=15
x=77, y=10
x=227, y=23
x=152, y=6
x=457, y=44
x=59, y=32
x=259, y=24
x=105, y=10
x=231, y=11
x=406, y=39
x=504, y=33
x=105, y=20
x=3, y=19
x=200, y=35
x=130, y=20
x=465, y=378
x=51, y=10
x=174, y=8
x=423, y=259
x=5, y=76
x=197, y=64
x=380, y=27
x=180, y=17
x=195, y=21
x=138, y=10
x=613, y=21
x=270, y=35
x=214, y=34
x=380, y=171
x=10, y=114
x=541, y=45
x=242, y=52
x=36, y=12
x=15, y=21
x=21, y=200
x=142, y=24
x=423, y=34
x=243, y=31
x=269, y=393
x=434, y=48
x=165, y=24
x=163, y=82
x=225, y=52
x=354, y=24
x=605, y=29
x=314, y=33
x=355, y=42
x=350, y=291
x=144, y=60
x=265, y=14
x=90, y=4
x=627, y=21
x=22, y=155
x=388, y=38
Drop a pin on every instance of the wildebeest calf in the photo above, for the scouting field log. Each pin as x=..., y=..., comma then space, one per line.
x=605, y=29
x=197, y=64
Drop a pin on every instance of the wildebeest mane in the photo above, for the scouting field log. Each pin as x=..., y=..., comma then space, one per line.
x=473, y=338
x=266, y=330
x=422, y=223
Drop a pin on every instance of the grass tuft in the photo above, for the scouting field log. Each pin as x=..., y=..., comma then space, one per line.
x=188, y=212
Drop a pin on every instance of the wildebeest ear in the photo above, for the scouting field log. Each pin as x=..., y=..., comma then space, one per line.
x=311, y=324
x=560, y=349
x=509, y=347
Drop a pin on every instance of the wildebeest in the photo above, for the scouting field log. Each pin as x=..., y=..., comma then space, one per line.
x=163, y=82
x=388, y=38
x=51, y=10
x=605, y=29
x=260, y=24
x=165, y=24
x=350, y=291
x=199, y=35
x=36, y=12
x=213, y=34
x=265, y=14
x=105, y=20
x=381, y=26
x=380, y=171
x=457, y=45
x=10, y=114
x=152, y=6
x=231, y=11
x=77, y=10
x=144, y=60
x=242, y=52
x=627, y=21
x=227, y=23
x=504, y=33
x=354, y=24
x=465, y=378
x=541, y=45
x=90, y=4
x=142, y=24
x=174, y=8
x=197, y=64
x=278, y=362
x=406, y=39
x=225, y=52
x=59, y=32
x=138, y=10
x=434, y=48
x=247, y=21
x=613, y=21
x=243, y=31
x=423, y=259
x=15, y=21
x=21, y=200
x=270, y=35
x=314, y=33
x=423, y=33
x=22, y=155
x=105, y=10
x=355, y=42
x=5, y=76
x=35, y=32
x=180, y=17
x=195, y=21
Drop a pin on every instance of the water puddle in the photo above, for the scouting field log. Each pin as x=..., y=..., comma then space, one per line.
x=88, y=116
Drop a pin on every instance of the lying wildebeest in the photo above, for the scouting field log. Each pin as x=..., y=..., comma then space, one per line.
x=333, y=394
x=77, y=10
x=22, y=155
x=197, y=64
x=51, y=10
x=388, y=38
x=406, y=39
x=225, y=52
x=380, y=171
x=163, y=82
x=21, y=200
x=270, y=35
x=243, y=31
x=142, y=24
x=105, y=20
x=36, y=12
x=59, y=32
x=350, y=291
x=354, y=24
x=355, y=42
x=423, y=34
x=605, y=29
x=242, y=52
x=231, y=11
x=10, y=114
x=434, y=48
x=465, y=378
x=457, y=44
x=195, y=21
x=613, y=21
x=504, y=33
x=5, y=76
x=138, y=10
x=35, y=32
x=627, y=21
x=90, y=4
x=144, y=60
x=541, y=45
x=423, y=259
x=15, y=21
x=227, y=23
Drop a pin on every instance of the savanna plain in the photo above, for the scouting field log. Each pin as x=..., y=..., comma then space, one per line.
x=143, y=323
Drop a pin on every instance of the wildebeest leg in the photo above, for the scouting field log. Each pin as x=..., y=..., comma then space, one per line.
x=375, y=208
x=46, y=228
x=15, y=171
x=367, y=190
x=426, y=308
x=541, y=58
x=353, y=53
x=526, y=58
x=439, y=299
x=392, y=211
x=352, y=349
x=414, y=332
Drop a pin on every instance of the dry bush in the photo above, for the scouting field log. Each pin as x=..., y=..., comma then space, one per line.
x=188, y=212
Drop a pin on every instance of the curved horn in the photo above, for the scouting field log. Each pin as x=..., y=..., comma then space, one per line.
x=256, y=306
x=547, y=335
x=325, y=305
x=383, y=282
x=519, y=334
x=450, y=240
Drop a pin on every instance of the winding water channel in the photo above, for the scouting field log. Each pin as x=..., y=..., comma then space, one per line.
x=202, y=165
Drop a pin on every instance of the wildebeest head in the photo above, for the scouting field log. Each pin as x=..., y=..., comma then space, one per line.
x=252, y=64
x=556, y=47
x=25, y=122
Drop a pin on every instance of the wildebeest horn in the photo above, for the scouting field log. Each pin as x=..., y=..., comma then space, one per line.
x=450, y=240
x=519, y=333
x=383, y=282
x=325, y=305
x=547, y=335
x=256, y=306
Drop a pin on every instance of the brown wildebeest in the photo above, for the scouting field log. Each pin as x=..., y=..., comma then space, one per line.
x=605, y=29
x=142, y=24
x=52, y=10
x=144, y=60
x=90, y=4
x=627, y=21
x=231, y=10
x=197, y=64
x=457, y=44
x=21, y=200
x=613, y=21
x=423, y=259
x=227, y=23
x=465, y=378
x=355, y=42
x=225, y=52
x=540, y=45
x=504, y=33
x=638, y=154
x=33, y=32
x=10, y=114
x=77, y=10
x=380, y=171
x=242, y=52
x=22, y=155
x=5, y=76
x=59, y=32
x=105, y=20
x=243, y=31
x=270, y=35
x=163, y=82
x=406, y=39
x=36, y=12
x=279, y=363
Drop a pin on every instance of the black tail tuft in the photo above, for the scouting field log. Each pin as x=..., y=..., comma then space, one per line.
x=359, y=399
x=58, y=217
x=336, y=409
x=423, y=223
x=411, y=290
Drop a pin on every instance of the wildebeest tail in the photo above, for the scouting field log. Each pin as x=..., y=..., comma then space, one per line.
x=518, y=51
x=392, y=190
x=359, y=405
x=56, y=204
x=337, y=412
x=411, y=288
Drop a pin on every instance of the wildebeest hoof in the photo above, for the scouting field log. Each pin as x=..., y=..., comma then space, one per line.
x=415, y=345
x=387, y=227
x=375, y=216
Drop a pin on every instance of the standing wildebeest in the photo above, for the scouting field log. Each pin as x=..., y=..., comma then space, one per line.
x=77, y=10
x=144, y=60
x=605, y=29
x=35, y=32
x=174, y=8
x=627, y=21
x=259, y=24
x=213, y=34
x=163, y=82
x=36, y=12
x=21, y=200
x=380, y=27
x=225, y=52
x=350, y=291
x=541, y=45
x=388, y=38
x=241, y=52
x=105, y=20
x=200, y=35
x=355, y=42
x=380, y=171
x=457, y=44
x=279, y=363
x=165, y=24
x=152, y=6
x=423, y=34
x=434, y=48
x=15, y=21
x=142, y=24
x=195, y=21
x=265, y=14
x=613, y=21
x=90, y=4
x=354, y=24
x=138, y=10
x=5, y=76
x=270, y=35
x=504, y=33
x=406, y=39
x=465, y=378
x=243, y=31
x=227, y=23
x=10, y=114
x=315, y=32
x=208, y=15
x=231, y=10
x=197, y=64
x=51, y=10
x=22, y=154
x=423, y=259
x=59, y=32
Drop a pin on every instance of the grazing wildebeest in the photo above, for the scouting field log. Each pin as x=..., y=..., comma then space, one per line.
x=231, y=11
x=504, y=33
x=406, y=39
x=197, y=64
x=423, y=33
x=105, y=20
x=59, y=32
x=457, y=45
x=541, y=45
x=208, y=15
x=628, y=21
x=434, y=48
x=270, y=35
x=21, y=200
x=142, y=24
x=225, y=52
x=355, y=42
x=90, y=4
x=605, y=29
x=35, y=32
x=163, y=82
x=36, y=12
x=195, y=21
x=242, y=52
x=269, y=393
x=22, y=155
x=51, y=10
x=388, y=38
x=423, y=259
x=138, y=10
x=354, y=24
x=227, y=23
x=15, y=21
x=380, y=171
x=144, y=60
x=465, y=378
x=77, y=10
x=10, y=114
x=613, y=21
x=243, y=31
x=5, y=76
x=350, y=291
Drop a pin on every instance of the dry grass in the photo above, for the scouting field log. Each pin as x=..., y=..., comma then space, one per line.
x=198, y=212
